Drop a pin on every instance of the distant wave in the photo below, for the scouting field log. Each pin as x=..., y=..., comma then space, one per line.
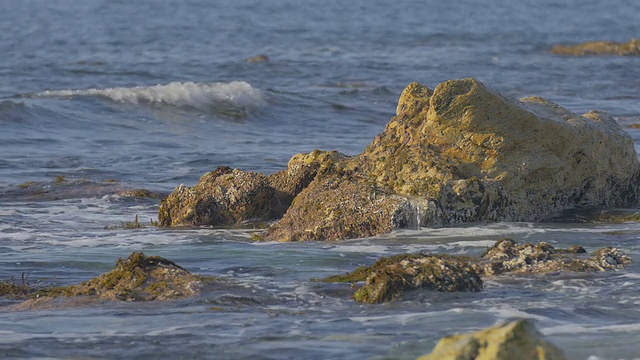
x=236, y=98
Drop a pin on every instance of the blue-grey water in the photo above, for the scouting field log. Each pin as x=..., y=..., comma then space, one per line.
x=155, y=94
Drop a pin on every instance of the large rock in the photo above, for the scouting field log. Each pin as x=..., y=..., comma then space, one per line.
x=464, y=153
x=515, y=340
x=599, y=48
x=459, y=153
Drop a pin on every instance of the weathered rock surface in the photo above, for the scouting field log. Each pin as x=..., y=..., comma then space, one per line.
x=507, y=256
x=599, y=48
x=228, y=196
x=434, y=272
x=137, y=278
x=389, y=278
x=515, y=340
x=140, y=278
x=459, y=153
x=464, y=153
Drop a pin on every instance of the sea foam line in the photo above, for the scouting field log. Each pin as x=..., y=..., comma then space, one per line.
x=203, y=96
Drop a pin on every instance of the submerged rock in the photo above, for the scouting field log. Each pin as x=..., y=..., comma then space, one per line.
x=140, y=278
x=507, y=256
x=432, y=272
x=514, y=340
x=64, y=188
x=389, y=278
x=599, y=48
x=459, y=153
x=14, y=291
x=136, y=278
x=257, y=58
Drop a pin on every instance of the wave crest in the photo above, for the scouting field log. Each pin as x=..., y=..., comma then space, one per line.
x=234, y=98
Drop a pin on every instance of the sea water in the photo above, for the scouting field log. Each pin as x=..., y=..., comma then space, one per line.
x=154, y=94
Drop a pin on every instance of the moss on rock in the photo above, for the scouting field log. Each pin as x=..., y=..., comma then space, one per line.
x=136, y=278
x=140, y=278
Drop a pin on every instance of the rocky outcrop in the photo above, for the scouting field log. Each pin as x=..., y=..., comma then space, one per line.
x=514, y=340
x=599, y=48
x=464, y=153
x=228, y=196
x=459, y=153
x=389, y=278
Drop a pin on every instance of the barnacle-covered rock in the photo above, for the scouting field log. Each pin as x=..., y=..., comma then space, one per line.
x=228, y=196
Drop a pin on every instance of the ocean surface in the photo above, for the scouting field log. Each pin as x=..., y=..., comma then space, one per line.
x=97, y=95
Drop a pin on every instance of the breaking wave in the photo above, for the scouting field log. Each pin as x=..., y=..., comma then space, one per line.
x=237, y=98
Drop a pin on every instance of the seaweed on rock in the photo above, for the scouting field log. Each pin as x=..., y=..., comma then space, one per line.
x=390, y=277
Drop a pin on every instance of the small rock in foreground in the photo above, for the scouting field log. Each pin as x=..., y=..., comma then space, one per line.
x=515, y=340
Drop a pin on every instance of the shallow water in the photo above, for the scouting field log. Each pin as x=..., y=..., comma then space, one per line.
x=156, y=95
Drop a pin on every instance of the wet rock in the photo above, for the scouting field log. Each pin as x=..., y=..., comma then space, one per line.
x=515, y=340
x=230, y=196
x=140, y=278
x=432, y=272
x=136, y=278
x=506, y=256
x=390, y=277
x=459, y=153
x=599, y=48
x=223, y=196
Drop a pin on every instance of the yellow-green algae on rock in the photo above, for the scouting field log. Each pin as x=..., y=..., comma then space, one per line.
x=389, y=278
x=517, y=340
x=459, y=153
x=136, y=278
x=228, y=196
x=599, y=48
x=465, y=153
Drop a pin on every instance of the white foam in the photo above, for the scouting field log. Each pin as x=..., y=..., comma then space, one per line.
x=212, y=96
